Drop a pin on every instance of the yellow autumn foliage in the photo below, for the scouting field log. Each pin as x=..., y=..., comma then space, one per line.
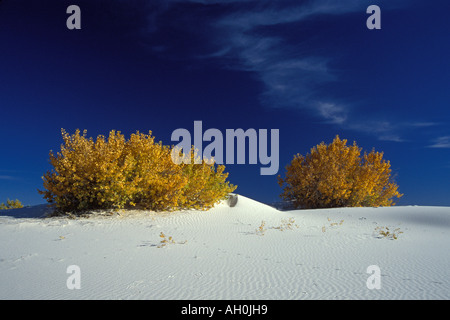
x=113, y=173
x=11, y=204
x=337, y=175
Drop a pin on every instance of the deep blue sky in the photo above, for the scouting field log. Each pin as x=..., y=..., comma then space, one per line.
x=311, y=69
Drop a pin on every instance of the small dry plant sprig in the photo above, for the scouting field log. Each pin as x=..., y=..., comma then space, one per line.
x=385, y=232
x=261, y=229
x=333, y=224
x=287, y=224
x=167, y=240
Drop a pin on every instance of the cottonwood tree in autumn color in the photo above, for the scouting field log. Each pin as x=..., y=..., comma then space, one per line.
x=337, y=175
x=115, y=173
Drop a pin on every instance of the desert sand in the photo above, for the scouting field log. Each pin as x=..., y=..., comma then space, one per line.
x=250, y=251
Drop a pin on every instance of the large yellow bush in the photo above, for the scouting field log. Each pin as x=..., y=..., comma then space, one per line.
x=337, y=175
x=137, y=173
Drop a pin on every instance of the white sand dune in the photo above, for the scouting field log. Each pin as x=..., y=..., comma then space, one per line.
x=221, y=254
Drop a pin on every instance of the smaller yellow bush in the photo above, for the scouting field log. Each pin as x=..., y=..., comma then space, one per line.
x=337, y=175
x=11, y=204
x=115, y=173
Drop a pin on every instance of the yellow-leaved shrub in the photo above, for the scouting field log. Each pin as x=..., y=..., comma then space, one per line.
x=337, y=175
x=205, y=182
x=114, y=173
x=11, y=204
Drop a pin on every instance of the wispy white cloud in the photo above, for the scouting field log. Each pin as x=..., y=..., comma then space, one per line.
x=382, y=129
x=291, y=77
x=269, y=13
x=3, y=177
x=421, y=124
x=332, y=113
x=441, y=142
x=390, y=130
